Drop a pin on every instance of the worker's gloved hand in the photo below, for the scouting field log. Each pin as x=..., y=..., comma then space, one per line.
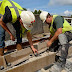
x=12, y=37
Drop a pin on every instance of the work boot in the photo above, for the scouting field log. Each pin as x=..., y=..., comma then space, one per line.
x=1, y=51
x=19, y=46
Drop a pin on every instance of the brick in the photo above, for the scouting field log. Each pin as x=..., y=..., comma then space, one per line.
x=40, y=45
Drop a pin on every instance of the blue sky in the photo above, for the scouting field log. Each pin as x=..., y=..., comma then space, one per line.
x=60, y=7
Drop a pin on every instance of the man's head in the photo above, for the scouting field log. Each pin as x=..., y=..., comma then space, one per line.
x=27, y=18
x=46, y=17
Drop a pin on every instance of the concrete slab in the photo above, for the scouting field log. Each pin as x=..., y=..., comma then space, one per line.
x=35, y=63
x=17, y=55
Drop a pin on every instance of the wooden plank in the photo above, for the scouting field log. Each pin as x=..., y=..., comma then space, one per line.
x=35, y=63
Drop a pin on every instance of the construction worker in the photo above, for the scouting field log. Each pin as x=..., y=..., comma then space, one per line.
x=60, y=29
x=20, y=19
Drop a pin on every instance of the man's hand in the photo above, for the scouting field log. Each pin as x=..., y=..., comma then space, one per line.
x=30, y=41
x=12, y=38
x=49, y=43
x=6, y=28
x=35, y=50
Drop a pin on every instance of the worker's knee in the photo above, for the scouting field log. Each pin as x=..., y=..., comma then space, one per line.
x=62, y=39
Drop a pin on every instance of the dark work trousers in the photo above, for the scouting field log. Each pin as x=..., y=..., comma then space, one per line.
x=63, y=44
x=64, y=40
x=17, y=27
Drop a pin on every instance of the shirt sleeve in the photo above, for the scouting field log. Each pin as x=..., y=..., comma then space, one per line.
x=59, y=22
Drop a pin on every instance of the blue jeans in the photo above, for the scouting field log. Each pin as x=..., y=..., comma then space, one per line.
x=2, y=37
x=17, y=27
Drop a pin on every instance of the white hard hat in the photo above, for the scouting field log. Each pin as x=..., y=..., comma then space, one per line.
x=28, y=19
x=43, y=15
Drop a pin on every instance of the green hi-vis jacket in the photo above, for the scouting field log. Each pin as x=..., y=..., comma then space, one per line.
x=15, y=9
x=66, y=26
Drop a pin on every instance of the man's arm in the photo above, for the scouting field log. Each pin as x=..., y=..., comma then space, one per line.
x=6, y=28
x=30, y=41
x=59, y=31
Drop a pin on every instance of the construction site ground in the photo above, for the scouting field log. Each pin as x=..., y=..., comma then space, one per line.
x=26, y=61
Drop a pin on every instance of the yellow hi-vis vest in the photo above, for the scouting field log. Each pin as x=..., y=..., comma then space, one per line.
x=66, y=26
x=15, y=9
x=0, y=8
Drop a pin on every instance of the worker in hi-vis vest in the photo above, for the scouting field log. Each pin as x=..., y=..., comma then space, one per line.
x=61, y=34
x=20, y=19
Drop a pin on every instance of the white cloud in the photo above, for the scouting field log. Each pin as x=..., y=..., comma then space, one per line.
x=67, y=13
x=53, y=13
x=60, y=2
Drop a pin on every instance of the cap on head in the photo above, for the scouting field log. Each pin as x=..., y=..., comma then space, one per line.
x=28, y=19
x=43, y=15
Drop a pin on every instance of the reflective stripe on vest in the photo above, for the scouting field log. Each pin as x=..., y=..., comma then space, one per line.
x=15, y=8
